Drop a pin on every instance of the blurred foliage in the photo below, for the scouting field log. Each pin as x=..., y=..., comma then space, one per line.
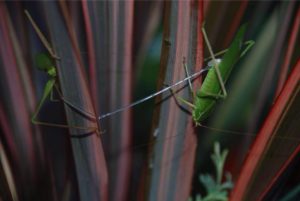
x=216, y=189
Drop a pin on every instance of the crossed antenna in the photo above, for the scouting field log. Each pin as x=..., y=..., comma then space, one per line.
x=193, y=76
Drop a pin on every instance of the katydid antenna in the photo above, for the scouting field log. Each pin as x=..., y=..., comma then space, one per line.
x=193, y=76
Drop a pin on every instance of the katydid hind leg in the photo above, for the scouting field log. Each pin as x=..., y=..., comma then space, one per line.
x=47, y=91
x=216, y=66
x=89, y=129
x=74, y=107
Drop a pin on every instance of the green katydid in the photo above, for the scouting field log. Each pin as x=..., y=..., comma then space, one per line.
x=46, y=63
x=213, y=85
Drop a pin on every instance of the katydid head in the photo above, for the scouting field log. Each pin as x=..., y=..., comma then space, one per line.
x=213, y=62
x=45, y=63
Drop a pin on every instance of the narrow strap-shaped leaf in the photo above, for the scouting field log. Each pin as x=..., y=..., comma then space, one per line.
x=172, y=158
x=283, y=120
x=87, y=149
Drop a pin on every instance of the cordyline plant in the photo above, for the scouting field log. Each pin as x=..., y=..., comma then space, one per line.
x=63, y=136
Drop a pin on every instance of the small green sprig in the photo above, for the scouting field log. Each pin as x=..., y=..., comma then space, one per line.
x=216, y=190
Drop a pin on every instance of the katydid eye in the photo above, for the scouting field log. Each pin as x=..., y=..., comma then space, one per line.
x=212, y=62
